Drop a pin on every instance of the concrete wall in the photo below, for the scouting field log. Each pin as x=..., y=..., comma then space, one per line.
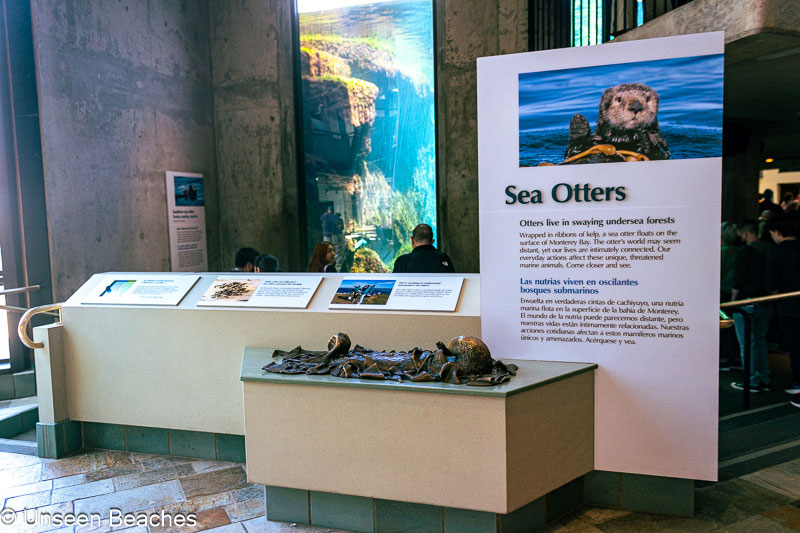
x=125, y=95
x=253, y=69
x=465, y=32
x=131, y=90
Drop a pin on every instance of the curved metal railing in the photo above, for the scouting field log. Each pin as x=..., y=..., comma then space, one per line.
x=22, y=328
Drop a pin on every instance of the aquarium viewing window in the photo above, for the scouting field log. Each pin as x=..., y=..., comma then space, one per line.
x=368, y=123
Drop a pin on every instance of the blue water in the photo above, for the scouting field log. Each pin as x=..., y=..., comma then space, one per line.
x=403, y=134
x=690, y=110
x=182, y=184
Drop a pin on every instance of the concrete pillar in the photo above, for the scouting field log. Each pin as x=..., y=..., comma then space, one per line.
x=466, y=31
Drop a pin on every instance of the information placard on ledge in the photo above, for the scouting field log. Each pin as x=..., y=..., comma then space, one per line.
x=293, y=292
x=398, y=294
x=127, y=289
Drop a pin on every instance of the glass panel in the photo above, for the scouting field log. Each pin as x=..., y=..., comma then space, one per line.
x=368, y=127
x=587, y=22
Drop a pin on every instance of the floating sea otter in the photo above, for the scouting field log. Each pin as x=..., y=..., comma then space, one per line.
x=627, y=129
x=463, y=360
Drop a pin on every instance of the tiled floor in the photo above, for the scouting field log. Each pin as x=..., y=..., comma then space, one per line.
x=218, y=494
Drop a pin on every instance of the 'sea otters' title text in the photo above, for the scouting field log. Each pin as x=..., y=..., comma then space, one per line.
x=564, y=192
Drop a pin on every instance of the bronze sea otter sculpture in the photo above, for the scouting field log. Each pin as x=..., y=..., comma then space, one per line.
x=462, y=360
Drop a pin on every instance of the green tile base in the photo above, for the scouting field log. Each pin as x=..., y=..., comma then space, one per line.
x=56, y=443
x=352, y=513
x=57, y=440
x=356, y=513
x=651, y=494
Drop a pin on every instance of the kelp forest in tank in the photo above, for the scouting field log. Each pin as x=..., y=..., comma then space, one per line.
x=368, y=121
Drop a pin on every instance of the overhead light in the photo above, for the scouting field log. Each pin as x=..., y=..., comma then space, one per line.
x=769, y=160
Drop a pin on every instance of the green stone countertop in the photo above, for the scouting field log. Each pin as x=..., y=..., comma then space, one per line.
x=531, y=374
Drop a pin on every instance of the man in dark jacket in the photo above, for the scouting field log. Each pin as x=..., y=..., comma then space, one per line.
x=748, y=282
x=783, y=266
x=424, y=258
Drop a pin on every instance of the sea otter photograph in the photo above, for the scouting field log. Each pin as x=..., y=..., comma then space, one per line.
x=629, y=112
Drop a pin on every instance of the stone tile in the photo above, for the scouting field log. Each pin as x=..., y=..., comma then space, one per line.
x=208, y=519
x=151, y=477
x=85, y=463
x=783, y=479
x=215, y=481
x=230, y=528
x=132, y=500
x=566, y=524
x=250, y=492
x=734, y=500
x=784, y=514
x=262, y=525
x=13, y=460
x=29, y=488
x=84, y=490
x=29, y=501
x=209, y=466
x=755, y=523
x=19, y=524
x=638, y=522
x=199, y=504
x=68, y=481
x=113, y=472
x=22, y=475
x=246, y=510
x=599, y=514
x=154, y=462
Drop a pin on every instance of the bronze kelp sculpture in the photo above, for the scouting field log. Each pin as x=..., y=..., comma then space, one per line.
x=463, y=360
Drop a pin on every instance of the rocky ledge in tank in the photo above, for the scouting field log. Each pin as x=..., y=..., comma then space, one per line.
x=462, y=360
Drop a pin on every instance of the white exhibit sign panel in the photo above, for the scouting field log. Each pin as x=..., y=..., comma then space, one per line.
x=187, y=222
x=600, y=177
x=434, y=293
x=293, y=292
x=141, y=289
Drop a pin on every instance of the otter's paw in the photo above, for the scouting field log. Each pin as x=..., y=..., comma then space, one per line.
x=580, y=136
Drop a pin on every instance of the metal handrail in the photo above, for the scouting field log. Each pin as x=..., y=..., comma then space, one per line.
x=736, y=307
x=19, y=290
x=15, y=309
x=22, y=329
x=760, y=299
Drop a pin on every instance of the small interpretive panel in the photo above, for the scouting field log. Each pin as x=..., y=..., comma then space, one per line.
x=399, y=294
x=293, y=292
x=127, y=289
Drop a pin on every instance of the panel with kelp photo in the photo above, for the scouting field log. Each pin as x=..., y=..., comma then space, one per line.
x=642, y=111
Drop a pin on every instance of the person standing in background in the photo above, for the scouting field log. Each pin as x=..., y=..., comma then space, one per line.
x=783, y=275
